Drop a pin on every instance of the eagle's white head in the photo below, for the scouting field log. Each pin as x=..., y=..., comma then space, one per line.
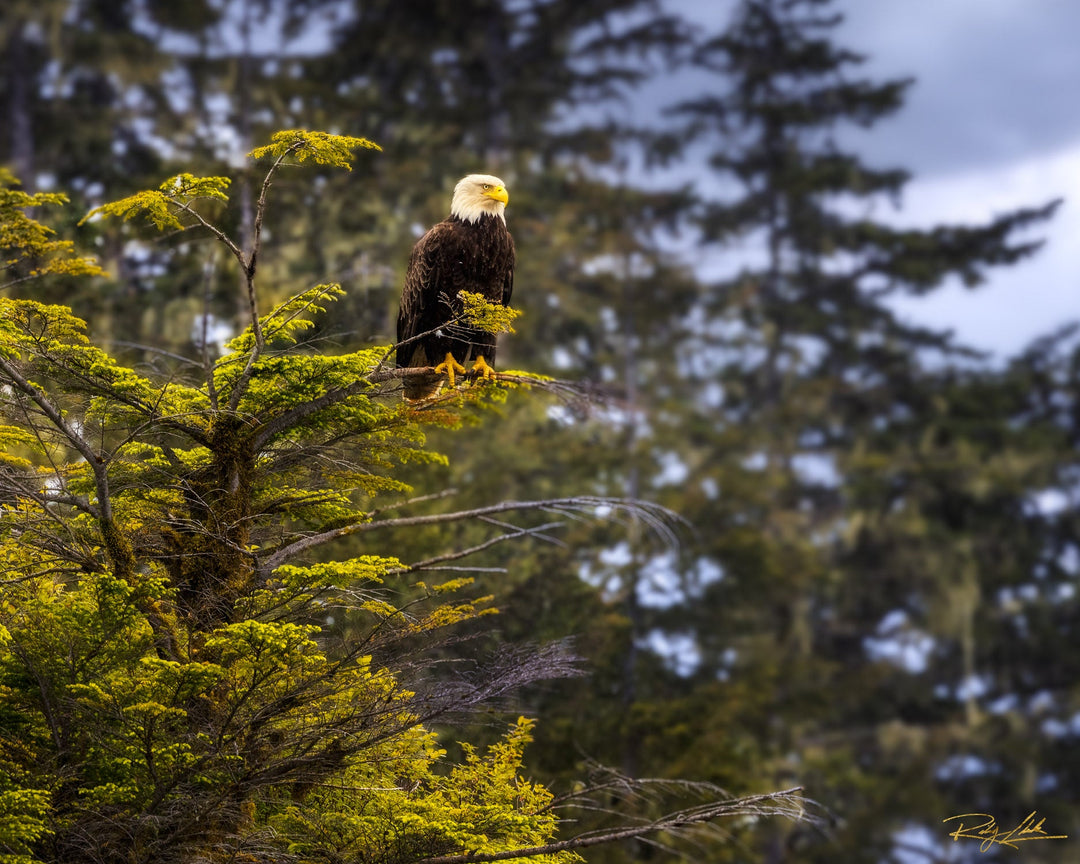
x=478, y=194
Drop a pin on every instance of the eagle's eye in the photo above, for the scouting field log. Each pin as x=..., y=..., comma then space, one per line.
x=487, y=185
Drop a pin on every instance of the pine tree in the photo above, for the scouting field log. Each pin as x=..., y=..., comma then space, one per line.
x=798, y=363
x=174, y=682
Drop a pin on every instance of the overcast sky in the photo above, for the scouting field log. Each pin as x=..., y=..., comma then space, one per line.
x=992, y=123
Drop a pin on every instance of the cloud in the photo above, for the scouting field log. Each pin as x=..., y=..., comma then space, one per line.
x=1018, y=303
x=993, y=79
x=989, y=126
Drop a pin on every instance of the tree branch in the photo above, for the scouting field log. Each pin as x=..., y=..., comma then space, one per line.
x=657, y=517
x=287, y=420
x=236, y=251
x=50, y=411
x=150, y=411
x=116, y=547
x=248, y=264
x=479, y=547
x=207, y=365
x=785, y=803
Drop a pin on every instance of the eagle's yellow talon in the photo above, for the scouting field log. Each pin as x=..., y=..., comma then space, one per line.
x=481, y=369
x=449, y=366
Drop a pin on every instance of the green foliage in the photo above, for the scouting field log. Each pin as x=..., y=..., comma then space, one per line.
x=27, y=247
x=160, y=206
x=936, y=516
x=414, y=813
x=168, y=678
x=490, y=317
x=23, y=820
x=183, y=674
x=322, y=148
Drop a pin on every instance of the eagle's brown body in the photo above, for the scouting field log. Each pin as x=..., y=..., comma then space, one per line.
x=458, y=254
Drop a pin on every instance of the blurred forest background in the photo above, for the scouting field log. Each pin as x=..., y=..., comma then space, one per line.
x=874, y=596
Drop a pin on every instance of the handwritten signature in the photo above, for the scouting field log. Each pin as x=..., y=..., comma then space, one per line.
x=988, y=832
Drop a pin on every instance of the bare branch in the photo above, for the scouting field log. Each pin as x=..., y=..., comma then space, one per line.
x=237, y=252
x=434, y=496
x=161, y=352
x=463, y=553
x=658, y=518
x=788, y=803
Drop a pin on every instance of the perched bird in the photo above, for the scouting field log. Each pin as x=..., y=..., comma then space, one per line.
x=471, y=250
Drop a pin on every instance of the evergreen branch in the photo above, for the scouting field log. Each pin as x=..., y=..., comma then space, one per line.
x=115, y=546
x=56, y=418
x=249, y=368
x=22, y=487
x=149, y=411
x=290, y=418
x=380, y=375
x=249, y=266
x=324, y=291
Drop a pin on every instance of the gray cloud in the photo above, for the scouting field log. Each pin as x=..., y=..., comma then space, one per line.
x=996, y=80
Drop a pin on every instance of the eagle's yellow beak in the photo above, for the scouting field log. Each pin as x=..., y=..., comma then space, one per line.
x=498, y=193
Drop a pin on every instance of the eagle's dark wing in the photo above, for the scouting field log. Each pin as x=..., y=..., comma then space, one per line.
x=431, y=272
x=508, y=282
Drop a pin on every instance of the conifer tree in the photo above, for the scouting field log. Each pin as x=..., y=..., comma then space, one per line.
x=796, y=364
x=800, y=363
x=175, y=684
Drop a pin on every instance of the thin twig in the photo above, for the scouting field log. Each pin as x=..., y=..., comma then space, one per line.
x=655, y=516
x=752, y=804
x=429, y=563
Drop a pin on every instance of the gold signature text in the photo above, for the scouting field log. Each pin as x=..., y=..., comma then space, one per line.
x=984, y=827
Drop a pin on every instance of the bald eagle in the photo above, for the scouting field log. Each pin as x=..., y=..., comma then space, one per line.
x=471, y=250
